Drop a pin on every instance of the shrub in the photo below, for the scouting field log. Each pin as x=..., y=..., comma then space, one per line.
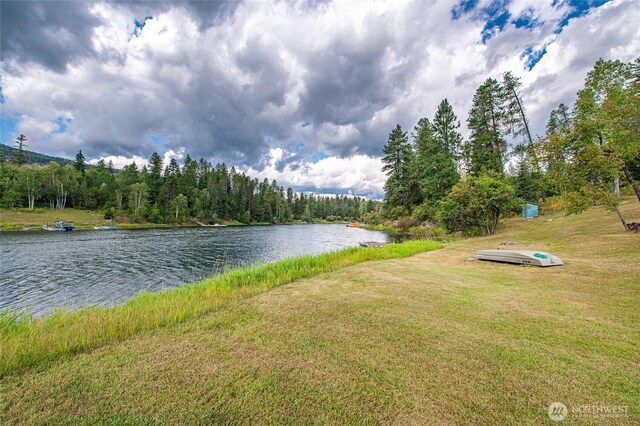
x=479, y=202
x=108, y=213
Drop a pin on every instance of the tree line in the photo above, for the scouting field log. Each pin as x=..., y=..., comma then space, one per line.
x=160, y=193
x=586, y=154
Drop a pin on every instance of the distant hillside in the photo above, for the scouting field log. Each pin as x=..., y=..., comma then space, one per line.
x=33, y=157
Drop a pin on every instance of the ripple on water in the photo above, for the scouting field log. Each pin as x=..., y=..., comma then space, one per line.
x=41, y=271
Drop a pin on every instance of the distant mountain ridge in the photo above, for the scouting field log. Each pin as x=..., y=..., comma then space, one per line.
x=33, y=157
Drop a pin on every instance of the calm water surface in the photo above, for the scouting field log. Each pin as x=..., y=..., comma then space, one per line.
x=41, y=271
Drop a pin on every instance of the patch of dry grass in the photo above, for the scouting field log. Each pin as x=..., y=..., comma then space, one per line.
x=428, y=339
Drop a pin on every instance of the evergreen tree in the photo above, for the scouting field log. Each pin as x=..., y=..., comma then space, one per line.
x=559, y=120
x=80, y=164
x=398, y=166
x=514, y=116
x=21, y=142
x=445, y=129
x=435, y=162
x=486, y=147
x=154, y=178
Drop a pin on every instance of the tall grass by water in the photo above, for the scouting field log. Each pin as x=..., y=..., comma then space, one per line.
x=27, y=342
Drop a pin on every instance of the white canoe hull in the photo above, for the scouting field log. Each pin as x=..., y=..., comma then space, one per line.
x=520, y=257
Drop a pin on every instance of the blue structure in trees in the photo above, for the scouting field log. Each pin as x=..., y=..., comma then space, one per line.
x=530, y=210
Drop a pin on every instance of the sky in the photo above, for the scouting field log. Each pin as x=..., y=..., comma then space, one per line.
x=302, y=92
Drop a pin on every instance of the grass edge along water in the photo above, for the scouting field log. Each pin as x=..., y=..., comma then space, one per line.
x=27, y=342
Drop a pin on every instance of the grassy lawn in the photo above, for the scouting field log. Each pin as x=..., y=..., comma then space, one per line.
x=427, y=339
x=15, y=218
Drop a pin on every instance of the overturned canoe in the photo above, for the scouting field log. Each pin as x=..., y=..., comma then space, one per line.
x=520, y=257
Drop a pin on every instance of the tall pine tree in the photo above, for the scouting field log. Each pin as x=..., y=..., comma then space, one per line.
x=487, y=148
x=435, y=160
x=80, y=164
x=21, y=142
x=154, y=178
x=398, y=166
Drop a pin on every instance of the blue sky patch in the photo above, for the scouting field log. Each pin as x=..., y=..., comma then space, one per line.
x=139, y=25
x=533, y=56
x=526, y=21
x=7, y=130
x=579, y=8
x=62, y=123
x=463, y=7
x=157, y=138
x=497, y=17
x=318, y=155
x=494, y=25
x=298, y=147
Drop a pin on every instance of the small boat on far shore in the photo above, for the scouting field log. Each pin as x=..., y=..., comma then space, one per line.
x=354, y=225
x=106, y=227
x=59, y=226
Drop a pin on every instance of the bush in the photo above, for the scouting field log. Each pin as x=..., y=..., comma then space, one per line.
x=108, y=213
x=154, y=215
x=480, y=203
x=424, y=212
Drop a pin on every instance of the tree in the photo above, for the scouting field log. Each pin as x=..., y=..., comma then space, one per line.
x=31, y=183
x=479, y=202
x=138, y=198
x=486, y=148
x=559, y=120
x=154, y=178
x=514, y=116
x=80, y=164
x=590, y=156
x=445, y=129
x=435, y=160
x=307, y=213
x=180, y=204
x=398, y=166
x=21, y=142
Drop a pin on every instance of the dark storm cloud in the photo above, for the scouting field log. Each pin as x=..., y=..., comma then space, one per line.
x=211, y=13
x=232, y=82
x=347, y=83
x=56, y=33
x=50, y=33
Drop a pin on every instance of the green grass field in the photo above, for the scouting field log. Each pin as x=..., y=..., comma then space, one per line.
x=15, y=218
x=426, y=339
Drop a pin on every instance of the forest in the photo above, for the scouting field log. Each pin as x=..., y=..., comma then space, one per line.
x=587, y=156
x=169, y=193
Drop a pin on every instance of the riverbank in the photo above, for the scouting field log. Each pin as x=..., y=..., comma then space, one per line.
x=23, y=219
x=413, y=231
x=26, y=342
x=425, y=339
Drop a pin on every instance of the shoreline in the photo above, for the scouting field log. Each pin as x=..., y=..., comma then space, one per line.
x=29, y=342
x=86, y=220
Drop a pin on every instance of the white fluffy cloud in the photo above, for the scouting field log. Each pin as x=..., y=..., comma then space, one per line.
x=235, y=82
x=358, y=174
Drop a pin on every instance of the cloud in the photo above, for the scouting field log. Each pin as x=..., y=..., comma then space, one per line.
x=359, y=174
x=232, y=81
x=49, y=33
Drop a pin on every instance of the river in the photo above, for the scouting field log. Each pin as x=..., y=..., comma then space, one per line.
x=41, y=271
